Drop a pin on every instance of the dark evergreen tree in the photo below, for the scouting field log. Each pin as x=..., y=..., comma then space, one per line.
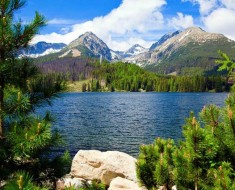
x=205, y=159
x=13, y=37
x=155, y=164
x=25, y=138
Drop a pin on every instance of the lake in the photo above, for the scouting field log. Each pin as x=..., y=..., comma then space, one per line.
x=123, y=121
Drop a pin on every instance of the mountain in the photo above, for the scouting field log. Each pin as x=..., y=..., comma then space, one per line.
x=126, y=55
x=135, y=50
x=41, y=49
x=87, y=44
x=163, y=39
x=188, y=51
x=116, y=55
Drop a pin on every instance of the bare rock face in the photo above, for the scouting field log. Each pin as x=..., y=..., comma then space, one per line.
x=105, y=166
x=124, y=184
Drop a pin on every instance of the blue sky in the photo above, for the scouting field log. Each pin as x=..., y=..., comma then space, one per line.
x=122, y=23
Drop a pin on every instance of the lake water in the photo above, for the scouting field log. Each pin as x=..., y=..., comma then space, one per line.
x=123, y=121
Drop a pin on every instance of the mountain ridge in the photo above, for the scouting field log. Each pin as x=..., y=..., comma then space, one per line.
x=94, y=44
x=174, y=52
x=192, y=47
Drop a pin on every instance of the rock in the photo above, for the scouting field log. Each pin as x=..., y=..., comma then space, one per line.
x=164, y=188
x=69, y=181
x=104, y=166
x=123, y=184
x=2, y=184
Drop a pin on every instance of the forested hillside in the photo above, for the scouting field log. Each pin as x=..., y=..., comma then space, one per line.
x=129, y=77
x=72, y=69
x=126, y=77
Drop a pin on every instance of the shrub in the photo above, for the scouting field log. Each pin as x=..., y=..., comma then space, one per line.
x=205, y=159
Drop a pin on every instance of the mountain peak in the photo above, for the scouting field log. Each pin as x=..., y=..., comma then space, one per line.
x=195, y=28
x=163, y=39
x=94, y=44
x=189, y=35
x=85, y=36
x=177, y=43
x=135, y=49
x=136, y=46
x=89, y=32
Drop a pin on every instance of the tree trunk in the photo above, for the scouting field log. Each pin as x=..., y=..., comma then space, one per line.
x=1, y=104
x=196, y=184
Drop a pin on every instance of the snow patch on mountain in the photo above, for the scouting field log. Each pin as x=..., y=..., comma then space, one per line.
x=41, y=49
x=47, y=52
x=135, y=50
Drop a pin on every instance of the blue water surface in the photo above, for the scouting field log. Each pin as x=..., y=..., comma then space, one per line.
x=123, y=121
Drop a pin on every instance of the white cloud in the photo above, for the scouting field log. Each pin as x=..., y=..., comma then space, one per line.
x=130, y=42
x=229, y=4
x=217, y=16
x=206, y=6
x=57, y=21
x=65, y=30
x=222, y=21
x=181, y=21
x=131, y=16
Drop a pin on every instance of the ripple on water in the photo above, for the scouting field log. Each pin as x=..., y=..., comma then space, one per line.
x=123, y=121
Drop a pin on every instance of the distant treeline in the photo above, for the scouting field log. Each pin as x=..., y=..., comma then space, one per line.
x=128, y=77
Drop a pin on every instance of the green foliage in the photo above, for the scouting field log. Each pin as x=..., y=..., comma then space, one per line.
x=205, y=159
x=30, y=137
x=22, y=181
x=16, y=103
x=62, y=164
x=226, y=63
x=25, y=138
x=45, y=86
x=195, y=155
x=154, y=166
x=223, y=177
x=14, y=36
x=70, y=188
x=94, y=185
x=130, y=77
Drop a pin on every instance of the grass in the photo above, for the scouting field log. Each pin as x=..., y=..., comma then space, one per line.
x=76, y=86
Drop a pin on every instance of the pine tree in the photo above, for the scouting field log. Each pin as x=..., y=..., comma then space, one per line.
x=226, y=64
x=205, y=159
x=25, y=139
x=155, y=164
x=195, y=156
x=13, y=37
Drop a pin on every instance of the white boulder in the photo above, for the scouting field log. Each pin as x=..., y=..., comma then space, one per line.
x=104, y=166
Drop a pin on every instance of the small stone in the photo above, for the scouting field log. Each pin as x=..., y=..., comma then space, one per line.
x=69, y=181
x=124, y=184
